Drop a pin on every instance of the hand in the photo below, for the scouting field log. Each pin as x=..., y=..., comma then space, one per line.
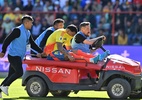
x=104, y=38
x=43, y=54
x=38, y=55
x=71, y=58
x=2, y=55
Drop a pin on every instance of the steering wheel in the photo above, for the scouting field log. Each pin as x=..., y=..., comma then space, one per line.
x=98, y=44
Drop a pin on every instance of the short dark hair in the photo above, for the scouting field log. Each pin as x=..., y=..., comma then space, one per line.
x=83, y=24
x=27, y=17
x=72, y=27
x=58, y=20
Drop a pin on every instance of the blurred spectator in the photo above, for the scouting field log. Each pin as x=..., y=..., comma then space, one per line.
x=124, y=6
x=63, y=3
x=50, y=18
x=9, y=14
x=116, y=5
x=83, y=3
x=73, y=14
x=75, y=21
x=44, y=25
x=136, y=17
x=110, y=6
x=18, y=16
x=106, y=28
x=36, y=28
x=37, y=7
x=106, y=14
x=121, y=1
x=129, y=30
x=93, y=34
x=18, y=4
x=28, y=7
x=97, y=7
x=99, y=26
x=138, y=26
x=138, y=29
x=7, y=25
x=137, y=1
x=136, y=41
x=105, y=25
x=129, y=16
x=56, y=7
x=65, y=18
x=87, y=6
x=88, y=17
x=118, y=25
x=48, y=6
x=102, y=32
x=76, y=5
x=104, y=2
x=25, y=2
x=66, y=8
x=137, y=6
x=5, y=6
x=119, y=17
x=122, y=37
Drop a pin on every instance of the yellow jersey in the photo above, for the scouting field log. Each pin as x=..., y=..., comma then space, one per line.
x=59, y=35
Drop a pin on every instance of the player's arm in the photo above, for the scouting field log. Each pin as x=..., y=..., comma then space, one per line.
x=61, y=49
x=64, y=51
x=59, y=42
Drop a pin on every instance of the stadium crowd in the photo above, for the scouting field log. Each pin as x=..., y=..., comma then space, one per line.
x=127, y=19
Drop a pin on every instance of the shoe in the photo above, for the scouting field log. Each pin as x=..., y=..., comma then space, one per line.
x=96, y=59
x=0, y=95
x=104, y=55
x=4, y=89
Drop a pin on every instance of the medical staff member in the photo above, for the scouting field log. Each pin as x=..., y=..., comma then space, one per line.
x=17, y=41
x=41, y=40
x=82, y=44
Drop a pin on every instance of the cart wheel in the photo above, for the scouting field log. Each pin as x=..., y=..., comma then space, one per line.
x=60, y=93
x=36, y=87
x=118, y=89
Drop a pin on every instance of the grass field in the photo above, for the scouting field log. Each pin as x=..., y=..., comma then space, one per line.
x=16, y=91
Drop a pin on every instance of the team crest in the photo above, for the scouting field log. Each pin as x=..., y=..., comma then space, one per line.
x=60, y=38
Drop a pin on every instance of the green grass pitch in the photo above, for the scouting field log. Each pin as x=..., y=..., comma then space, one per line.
x=16, y=91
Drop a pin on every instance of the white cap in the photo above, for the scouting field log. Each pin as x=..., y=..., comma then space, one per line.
x=17, y=9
